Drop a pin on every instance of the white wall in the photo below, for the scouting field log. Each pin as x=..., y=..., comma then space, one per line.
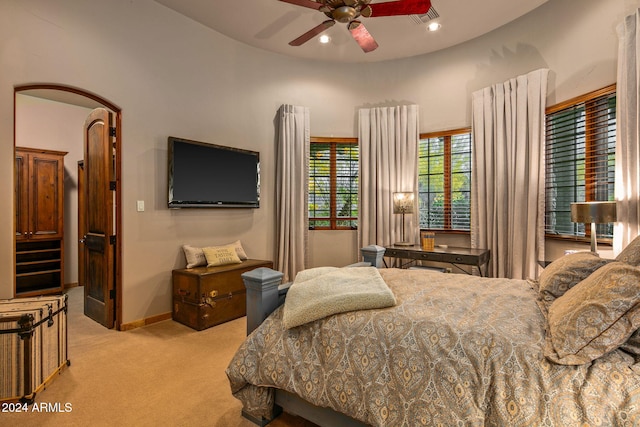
x=172, y=76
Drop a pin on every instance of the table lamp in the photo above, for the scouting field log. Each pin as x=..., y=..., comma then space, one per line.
x=403, y=204
x=593, y=213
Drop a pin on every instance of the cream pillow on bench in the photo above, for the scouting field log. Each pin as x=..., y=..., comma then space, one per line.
x=221, y=255
x=196, y=258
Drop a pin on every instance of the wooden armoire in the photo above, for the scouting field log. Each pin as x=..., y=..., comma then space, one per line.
x=39, y=203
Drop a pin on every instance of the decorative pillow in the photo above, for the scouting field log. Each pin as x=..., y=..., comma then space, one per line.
x=195, y=256
x=595, y=317
x=239, y=250
x=631, y=254
x=221, y=255
x=566, y=272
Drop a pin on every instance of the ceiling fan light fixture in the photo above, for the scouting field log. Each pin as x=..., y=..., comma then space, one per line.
x=348, y=11
x=344, y=14
x=433, y=26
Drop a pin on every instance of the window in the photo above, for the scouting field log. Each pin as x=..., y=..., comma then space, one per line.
x=333, y=184
x=580, y=160
x=444, y=180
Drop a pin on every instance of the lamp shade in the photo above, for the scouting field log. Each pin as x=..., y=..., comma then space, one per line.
x=403, y=202
x=593, y=212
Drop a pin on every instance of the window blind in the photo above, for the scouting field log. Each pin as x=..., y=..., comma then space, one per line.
x=333, y=184
x=580, y=160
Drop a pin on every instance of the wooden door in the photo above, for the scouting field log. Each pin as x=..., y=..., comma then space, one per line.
x=99, y=238
x=81, y=223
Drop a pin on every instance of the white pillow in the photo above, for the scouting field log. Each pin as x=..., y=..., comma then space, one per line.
x=195, y=256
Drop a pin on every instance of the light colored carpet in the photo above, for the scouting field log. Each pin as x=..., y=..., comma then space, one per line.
x=158, y=375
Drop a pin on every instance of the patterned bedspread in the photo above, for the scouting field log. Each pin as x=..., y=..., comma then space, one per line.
x=456, y=350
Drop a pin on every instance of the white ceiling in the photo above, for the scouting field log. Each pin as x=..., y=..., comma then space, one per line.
x=272, y=24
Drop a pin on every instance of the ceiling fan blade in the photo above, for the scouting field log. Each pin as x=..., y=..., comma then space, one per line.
x=362, y=36
x=366, y=11
x=305, y=3
x=312, y=33
x=401, y=7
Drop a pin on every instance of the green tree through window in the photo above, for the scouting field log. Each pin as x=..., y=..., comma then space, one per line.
x=444, y=180
x=333, y=183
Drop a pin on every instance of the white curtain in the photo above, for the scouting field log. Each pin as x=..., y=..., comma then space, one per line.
x=627, y=187
x=507, y=192
x=388, y=138
x=292, y=165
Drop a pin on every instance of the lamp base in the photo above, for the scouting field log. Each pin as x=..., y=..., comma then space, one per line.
x=403, y=244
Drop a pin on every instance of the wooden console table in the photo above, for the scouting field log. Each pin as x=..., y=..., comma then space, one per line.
x=450, y=255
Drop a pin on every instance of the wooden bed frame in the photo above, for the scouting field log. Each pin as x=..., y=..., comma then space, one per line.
x=265, y=293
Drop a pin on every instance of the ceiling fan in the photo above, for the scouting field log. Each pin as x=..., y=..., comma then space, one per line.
x=348, y=12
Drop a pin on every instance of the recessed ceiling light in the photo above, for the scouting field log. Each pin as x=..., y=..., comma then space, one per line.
x=434, y=26
x=324, y=39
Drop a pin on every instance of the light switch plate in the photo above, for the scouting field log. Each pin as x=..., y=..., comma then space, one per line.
x=140, y=205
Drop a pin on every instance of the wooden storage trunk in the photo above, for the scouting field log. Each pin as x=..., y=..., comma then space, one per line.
x=33, y=345
x=207, y=296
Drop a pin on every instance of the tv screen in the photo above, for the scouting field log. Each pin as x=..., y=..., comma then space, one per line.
x=205, y=175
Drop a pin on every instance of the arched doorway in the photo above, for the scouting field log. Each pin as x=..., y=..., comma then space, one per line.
x=78, y=97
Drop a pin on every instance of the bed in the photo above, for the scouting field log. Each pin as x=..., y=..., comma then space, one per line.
x=453, y=350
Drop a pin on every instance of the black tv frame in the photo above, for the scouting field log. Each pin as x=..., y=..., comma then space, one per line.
x=178, y=204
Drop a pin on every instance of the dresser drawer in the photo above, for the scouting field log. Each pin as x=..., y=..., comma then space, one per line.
x=398, y=253
x=429, y=256
x=460, y=259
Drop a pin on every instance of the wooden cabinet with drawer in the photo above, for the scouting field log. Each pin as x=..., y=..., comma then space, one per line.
x=207, y=296
x=39, y=221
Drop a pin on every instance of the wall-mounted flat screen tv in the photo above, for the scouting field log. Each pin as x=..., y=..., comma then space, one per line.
x=205, y=175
